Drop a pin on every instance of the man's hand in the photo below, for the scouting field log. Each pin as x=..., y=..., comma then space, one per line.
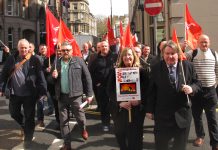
x=48, y=69
x=6, y=49
x=1, y=94
x=55, y=74
x=89, y=99
x=150, y=116
x=187, y=89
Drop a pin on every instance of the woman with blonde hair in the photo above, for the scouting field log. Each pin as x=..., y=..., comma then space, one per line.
x=129, y=135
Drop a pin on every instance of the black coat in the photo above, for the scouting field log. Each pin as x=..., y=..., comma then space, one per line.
x=111, y=91
x=101, y=66
x=164, y=99
x=35, y=79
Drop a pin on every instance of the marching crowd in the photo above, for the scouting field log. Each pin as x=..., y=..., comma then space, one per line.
x=173, y=91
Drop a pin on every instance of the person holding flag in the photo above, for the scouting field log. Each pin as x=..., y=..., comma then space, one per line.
x=72, y=79
x=205, y=62
x=171, y=85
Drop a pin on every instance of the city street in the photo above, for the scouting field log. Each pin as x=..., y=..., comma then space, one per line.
x=49, y=138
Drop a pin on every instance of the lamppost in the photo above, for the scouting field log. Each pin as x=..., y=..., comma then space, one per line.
x=141, y=7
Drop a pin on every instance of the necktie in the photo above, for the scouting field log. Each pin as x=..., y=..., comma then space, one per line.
x=172, y=75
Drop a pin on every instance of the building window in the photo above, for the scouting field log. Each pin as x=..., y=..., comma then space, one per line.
x=74, y=6
x=82, y=6
x=83, y=28
x=75, y=29
x=75, y=17
x=13, y=7
x=81, y=16
x=10, y=38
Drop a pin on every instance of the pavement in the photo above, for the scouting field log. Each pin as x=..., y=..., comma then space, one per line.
x=50, y=139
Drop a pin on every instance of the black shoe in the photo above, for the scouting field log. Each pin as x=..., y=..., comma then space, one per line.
x=57, y=127
x=27, y=144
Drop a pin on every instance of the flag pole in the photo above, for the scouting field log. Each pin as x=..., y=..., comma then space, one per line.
x=111, y=13
x=49, y=60
x=3, y=43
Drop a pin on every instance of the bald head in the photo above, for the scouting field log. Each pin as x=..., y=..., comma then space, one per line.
x=204, y=42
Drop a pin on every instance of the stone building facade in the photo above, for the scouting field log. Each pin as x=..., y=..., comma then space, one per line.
x=172, y=16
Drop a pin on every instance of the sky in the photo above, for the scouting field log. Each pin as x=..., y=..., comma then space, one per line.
x=103, y=7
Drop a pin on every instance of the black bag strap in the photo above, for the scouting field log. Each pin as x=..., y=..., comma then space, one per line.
x=195, y=52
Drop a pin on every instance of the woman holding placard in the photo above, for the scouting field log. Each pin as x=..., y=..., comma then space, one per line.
x=126, y=88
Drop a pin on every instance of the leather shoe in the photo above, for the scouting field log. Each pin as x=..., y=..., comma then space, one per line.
x=198, y=142
x=66, y=147
x=215, y=148
x=85, y=135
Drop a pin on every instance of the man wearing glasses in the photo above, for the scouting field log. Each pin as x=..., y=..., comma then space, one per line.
x=72, y=80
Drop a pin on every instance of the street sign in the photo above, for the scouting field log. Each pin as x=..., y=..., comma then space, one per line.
x=153, y=7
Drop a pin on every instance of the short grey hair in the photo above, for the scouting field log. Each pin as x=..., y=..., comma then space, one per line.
x=22, y=41
x=66, y=43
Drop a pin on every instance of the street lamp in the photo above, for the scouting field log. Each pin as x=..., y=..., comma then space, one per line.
x=141, y=7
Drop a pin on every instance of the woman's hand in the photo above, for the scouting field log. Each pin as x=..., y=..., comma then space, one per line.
x=126, y=105
x=135, y=103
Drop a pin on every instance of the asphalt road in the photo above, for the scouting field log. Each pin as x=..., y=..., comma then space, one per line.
x=50, y=139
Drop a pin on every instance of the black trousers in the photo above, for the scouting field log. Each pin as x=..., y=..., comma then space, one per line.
x=163, y=138
x=104, y=105
x=207, y=101
x=27, y=122
x=129, y=135
x=51, y=91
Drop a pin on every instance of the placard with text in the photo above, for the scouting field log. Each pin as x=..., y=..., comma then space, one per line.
x=128, y=84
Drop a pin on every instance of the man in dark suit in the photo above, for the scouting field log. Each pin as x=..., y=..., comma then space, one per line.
x=172, y=82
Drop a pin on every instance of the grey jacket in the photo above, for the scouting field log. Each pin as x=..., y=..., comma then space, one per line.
x=80, y=81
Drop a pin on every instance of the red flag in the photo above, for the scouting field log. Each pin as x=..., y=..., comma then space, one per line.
x=110, y=32
x=52, y=26
x=128, y=37
x=64, y=34
x=175, y=39
x=121, y=28
x=134, y=39
x=192, y=29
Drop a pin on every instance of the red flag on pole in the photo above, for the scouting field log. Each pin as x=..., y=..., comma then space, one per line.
x=52, y=26
x=192, y=29
x=128, y=37
x=175, y=39
x=110, y=32
x=64, y=34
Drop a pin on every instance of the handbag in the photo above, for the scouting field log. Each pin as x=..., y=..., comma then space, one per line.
x=183, y=117
x=7, y=91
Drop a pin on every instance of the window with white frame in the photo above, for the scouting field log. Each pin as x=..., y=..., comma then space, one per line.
x=10, y=38
x=13, y=7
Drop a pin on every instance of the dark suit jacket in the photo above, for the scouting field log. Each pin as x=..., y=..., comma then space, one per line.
x=165, y=99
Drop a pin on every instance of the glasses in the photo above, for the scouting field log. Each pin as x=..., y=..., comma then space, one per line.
x=65, y=50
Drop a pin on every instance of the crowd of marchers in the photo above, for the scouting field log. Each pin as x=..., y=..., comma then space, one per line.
x=173, y=91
